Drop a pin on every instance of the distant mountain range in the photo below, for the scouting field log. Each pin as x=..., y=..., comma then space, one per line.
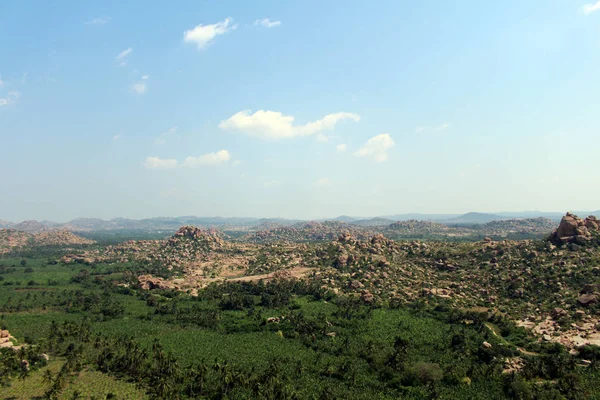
x=174, y=223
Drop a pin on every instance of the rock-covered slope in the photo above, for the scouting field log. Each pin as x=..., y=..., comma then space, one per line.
x=11, y=239
x=307, y=232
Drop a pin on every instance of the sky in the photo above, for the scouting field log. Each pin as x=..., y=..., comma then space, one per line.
x=297, y=109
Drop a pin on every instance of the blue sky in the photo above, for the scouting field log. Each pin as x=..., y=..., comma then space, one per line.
x=301, y=109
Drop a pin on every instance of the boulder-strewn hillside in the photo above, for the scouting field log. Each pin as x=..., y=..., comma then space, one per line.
x=306, y=232
x=419, y=228
x=30, y=227
x=11, y=239
x=533, y=282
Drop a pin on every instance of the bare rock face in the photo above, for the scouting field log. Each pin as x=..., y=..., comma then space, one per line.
x=149, y=282
x=592, y=223
x=573, y=229
x=568, y=226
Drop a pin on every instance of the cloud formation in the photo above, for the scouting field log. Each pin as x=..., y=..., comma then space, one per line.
x=341, y=148
x=98, y=21
x=220, y=157
x=11, y=98
x=202, y=35
x=590, y=8
x=122, y=56
x=266, y=23
x=273, y=125
x=159, y=163
x=376, y=148
x=140, y=87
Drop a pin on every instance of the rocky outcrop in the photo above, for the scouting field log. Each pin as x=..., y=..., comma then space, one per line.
x=12, y=239
x=573, y=229
x=149, y=282
x=7, y=340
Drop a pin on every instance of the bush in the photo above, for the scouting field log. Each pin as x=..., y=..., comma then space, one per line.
x=423, y=373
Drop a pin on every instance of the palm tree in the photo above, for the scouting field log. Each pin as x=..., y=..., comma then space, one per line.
x=47, y=377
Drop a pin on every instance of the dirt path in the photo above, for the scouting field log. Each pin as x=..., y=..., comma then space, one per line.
x=504, y=341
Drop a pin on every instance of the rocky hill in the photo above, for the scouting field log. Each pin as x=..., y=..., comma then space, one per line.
x=418, y=228
x=11, y=239
x=306, y=232
x=31, y=226
x=573, y=229
x=474, y=218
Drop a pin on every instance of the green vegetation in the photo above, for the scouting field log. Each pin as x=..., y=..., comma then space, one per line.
x=283, y=339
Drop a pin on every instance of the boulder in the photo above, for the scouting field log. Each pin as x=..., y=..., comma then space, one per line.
x=558, y=312
x=592, y=223
x=568, y=226
x=587, y=299
x=367, y=297
x=356, y=284
x=572, y=229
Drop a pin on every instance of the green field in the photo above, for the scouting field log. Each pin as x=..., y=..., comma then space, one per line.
x=109, y=340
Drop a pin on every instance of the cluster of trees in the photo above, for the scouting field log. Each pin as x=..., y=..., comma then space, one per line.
x=70, y=301
x=327, y=346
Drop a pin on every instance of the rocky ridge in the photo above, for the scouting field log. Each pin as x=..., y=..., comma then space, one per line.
x=11, y=239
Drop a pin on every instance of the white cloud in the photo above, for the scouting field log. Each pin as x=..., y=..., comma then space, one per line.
x=274, y=125
x=98, y=21
x=122, y=56
x=1, y=81
x=341, y=147
x=266, y=23
x=160, y=163
x=323, y=182
x=236, y=163
x=590, y=8
x=220, y=157
x=116, y=137
x=11, y=97
x=145, y=77
x=162, y=139
x=429, y=128
x=376, y=148
x=140, y=87
x=124, y=53
x=202, y=35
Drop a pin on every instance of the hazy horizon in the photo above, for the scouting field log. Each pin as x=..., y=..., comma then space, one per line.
x=301, y=110
x=581, y=213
